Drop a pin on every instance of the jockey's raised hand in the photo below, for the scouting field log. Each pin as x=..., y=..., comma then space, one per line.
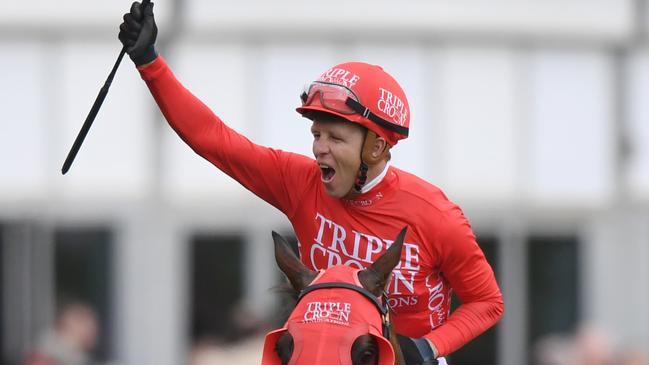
x=138, y=33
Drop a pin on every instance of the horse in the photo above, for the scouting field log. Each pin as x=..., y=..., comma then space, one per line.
x=341, y=316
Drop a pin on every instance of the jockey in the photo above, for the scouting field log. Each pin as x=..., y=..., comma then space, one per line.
x=347, y=204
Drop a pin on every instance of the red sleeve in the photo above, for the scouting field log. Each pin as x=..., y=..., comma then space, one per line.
x=471, y=277
x=275, y=176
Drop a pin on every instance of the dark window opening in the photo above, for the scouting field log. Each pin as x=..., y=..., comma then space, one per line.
x=217, y=288
x=83, y=258
x=553, y=294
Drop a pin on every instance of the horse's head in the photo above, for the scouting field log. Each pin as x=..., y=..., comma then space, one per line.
x=339, y=318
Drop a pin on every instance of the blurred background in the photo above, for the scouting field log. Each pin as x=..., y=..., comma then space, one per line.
x=532, y=115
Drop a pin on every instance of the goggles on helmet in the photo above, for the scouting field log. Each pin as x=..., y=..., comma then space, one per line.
x=340, y=99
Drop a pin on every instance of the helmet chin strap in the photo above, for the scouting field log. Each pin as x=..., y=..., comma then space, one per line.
x=367, y=160
x=362, y=178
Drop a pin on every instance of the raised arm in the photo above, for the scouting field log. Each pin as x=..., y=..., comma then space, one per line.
x=274, y=175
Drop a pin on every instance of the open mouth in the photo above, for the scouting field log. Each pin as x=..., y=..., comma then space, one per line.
x=327, y=173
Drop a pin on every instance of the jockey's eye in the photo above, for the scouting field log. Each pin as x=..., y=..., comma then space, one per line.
x=284, y=347
x=365, y=351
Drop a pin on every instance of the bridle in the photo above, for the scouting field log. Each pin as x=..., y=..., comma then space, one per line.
x=325, y=325
x=381, y=305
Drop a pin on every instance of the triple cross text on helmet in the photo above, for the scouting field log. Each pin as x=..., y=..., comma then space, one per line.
x=340, y=76
x=392, y=106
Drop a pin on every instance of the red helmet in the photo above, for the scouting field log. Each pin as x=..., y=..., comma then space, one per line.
x=363, y=94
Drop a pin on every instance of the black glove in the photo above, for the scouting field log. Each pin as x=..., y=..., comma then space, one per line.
x=138, y=33
x=416, y=351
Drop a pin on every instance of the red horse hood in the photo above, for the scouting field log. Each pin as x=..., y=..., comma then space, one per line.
x=326, y=322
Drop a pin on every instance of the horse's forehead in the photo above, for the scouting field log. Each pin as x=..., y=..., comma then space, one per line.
x=339, y=273
x=336, y=306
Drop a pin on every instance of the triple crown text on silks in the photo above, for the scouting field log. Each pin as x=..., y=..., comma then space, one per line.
x=333, y=245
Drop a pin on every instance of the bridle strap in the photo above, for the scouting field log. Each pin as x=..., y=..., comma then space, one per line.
x=383, y=308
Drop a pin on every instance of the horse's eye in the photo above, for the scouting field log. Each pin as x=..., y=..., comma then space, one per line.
x=284, y=347
x=367, y=356
x=365, y=351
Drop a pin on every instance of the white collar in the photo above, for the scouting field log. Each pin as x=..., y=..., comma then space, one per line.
x=367, y=187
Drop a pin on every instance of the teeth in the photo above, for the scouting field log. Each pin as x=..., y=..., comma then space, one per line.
x=327, y=172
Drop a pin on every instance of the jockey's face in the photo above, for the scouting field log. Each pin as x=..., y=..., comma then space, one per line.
x=337, y=149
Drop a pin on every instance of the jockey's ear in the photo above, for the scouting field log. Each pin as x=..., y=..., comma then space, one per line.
x=375, y=149
x=376, y=276
x=298, y=274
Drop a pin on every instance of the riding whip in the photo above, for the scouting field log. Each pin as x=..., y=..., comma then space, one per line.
x=95, y=108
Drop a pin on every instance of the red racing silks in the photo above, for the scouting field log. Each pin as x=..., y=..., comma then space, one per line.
x=326, y=322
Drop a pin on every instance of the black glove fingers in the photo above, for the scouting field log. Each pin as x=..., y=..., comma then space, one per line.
x=136, y=10
x=124, y=36
x=129, y=30
x=128, y=35
x=131, y=22
x=148, y=10
x=138, y=33
x=126, y=28
x=126, y=39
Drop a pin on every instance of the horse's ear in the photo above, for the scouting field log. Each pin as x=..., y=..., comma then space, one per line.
x=375, y=277
x=298, y=274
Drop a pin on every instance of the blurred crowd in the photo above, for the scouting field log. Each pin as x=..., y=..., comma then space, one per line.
x=589, y=345
x=75, y=333
x=71, y=340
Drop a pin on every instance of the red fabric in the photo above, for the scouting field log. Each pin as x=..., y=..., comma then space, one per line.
x=440, y=252
x=326, y=322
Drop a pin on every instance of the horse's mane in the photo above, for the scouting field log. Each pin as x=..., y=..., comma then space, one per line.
x=288, y=299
